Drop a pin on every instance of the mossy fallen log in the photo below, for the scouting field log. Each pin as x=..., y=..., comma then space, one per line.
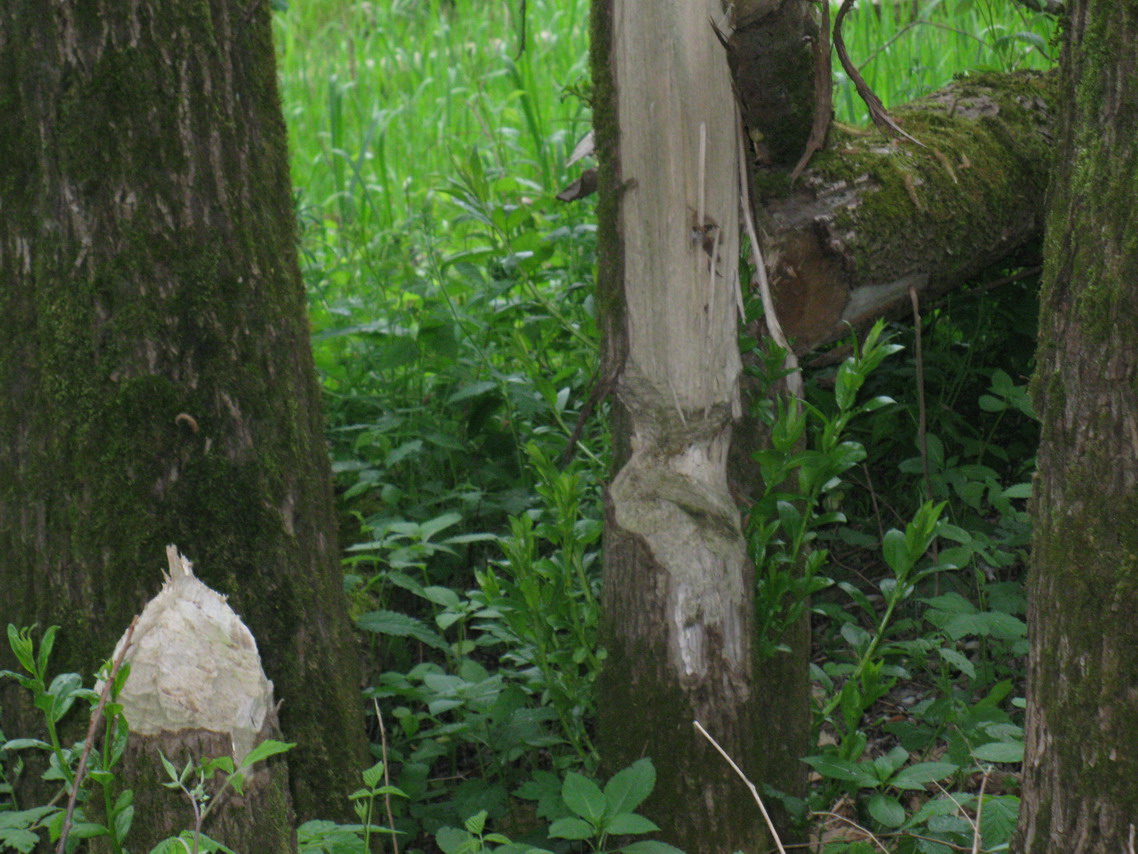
x=871, y=218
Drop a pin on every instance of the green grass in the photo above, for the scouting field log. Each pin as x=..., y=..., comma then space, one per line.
x=906, y=49
x=383, y=98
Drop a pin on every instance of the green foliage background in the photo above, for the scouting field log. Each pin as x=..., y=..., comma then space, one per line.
x=453, y=324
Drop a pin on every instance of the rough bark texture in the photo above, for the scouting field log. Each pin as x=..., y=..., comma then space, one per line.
x=1081, y=774
x=156, y=383
x=871, y=218
x=258, y=819
x=678, y=591
x=772, y=64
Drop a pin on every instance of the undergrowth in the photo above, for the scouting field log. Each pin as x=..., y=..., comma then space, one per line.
x=454, y=330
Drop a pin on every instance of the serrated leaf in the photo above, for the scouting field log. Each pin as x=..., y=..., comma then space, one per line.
x=630, y=786
x=998, y=820
x=841, y=769
x=373, y=775
x=959, y=661
x=451, y=839
x=629, y=822
x=583, y=797
x=400, y=625
x=916, y=776
x=886, y=810
x=571, y=828
x=264, y=750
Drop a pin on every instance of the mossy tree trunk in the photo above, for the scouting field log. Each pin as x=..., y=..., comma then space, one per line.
x=1081, y=773
x=678, y=594
x=156, y=382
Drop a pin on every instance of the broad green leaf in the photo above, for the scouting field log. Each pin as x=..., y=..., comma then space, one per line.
x=400, y=625
x=584, y=797
x=916, y=776
x=896, y=552
x=958, y=660
x=476, y=822
x=630, y=786
x=264, y=750
x=887, y=810
x=629, y=822
x=571, y=828
x=1009, y=752
x=433, y=526
x=841, y=769
x=998, y=820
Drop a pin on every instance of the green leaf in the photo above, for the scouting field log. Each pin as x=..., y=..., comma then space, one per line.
x=450, y=840
x=998, y=820
x=373, y=775
x=583, y=797
x=958, y=660
x=476, y=823
x=264, y=750
x=46, y=646
x=24, y=743
x=571, y=828
x=629, y=787
x=650, y=846
x=842, y=769
x=400, y=625
x=123, y=819
x=1019, y=490
x=171, y=771
x=21, y=644
x=1009, y=752
x=886, y=810
x=896, y=552
x=443, y=596
x=916, y=776
x=433, y=526
x=629, y=822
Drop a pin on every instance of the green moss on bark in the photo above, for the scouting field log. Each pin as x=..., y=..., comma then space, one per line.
x=1081, y=774
x=157, y=383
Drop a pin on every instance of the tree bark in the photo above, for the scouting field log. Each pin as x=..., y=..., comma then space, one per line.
x=678, y=592
x=1081, y=771
x=156, y=382
x=870, y=218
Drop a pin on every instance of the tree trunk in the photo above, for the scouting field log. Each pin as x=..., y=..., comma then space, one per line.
x=678, y=592
x=156, y=383
x=1081, y=772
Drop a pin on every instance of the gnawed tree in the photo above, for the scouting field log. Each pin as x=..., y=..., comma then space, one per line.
x=677, y=587
x=1081, y=770
x=868, y=222
x=156, y=382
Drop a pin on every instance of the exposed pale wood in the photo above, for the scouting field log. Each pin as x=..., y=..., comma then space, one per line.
x=678, y=589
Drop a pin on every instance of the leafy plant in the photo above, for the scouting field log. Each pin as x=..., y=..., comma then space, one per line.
x=19, y=828
x=586, y=813
x=783, y=522
x=197, y=782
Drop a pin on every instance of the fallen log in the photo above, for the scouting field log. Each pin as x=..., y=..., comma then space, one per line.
x=871, y=218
